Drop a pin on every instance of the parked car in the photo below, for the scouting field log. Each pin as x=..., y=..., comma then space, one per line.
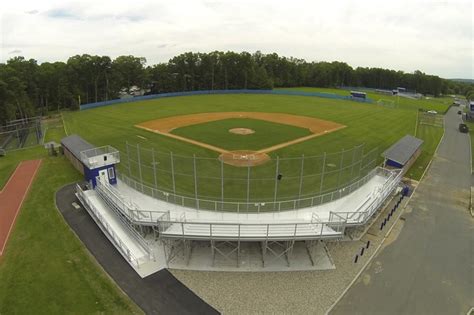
x=432, y=112
x=463, y=128
x=459, y=112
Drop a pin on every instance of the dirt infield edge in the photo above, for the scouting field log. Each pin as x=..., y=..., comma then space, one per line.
x=164, y=126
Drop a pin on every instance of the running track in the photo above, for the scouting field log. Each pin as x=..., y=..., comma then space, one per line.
x=12, y=196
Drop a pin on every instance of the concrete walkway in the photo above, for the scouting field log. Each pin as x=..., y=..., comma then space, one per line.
x=429, y=269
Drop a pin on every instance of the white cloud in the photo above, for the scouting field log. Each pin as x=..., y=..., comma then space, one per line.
x=432, y=36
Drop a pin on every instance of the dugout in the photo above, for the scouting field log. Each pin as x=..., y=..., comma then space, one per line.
x=91, y=161
x=359, y=95
x=403, y=153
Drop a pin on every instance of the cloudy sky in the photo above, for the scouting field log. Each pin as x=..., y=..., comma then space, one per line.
x=434, y=36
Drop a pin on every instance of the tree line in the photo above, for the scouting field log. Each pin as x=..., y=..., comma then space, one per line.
x=28, y=88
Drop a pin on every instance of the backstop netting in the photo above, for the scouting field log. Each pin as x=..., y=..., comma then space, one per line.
x=200, y=181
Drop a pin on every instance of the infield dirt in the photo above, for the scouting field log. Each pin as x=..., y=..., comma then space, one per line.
x=316, y=126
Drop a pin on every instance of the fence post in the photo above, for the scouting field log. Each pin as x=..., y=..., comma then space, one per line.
x=340, y=169
x=139, y=165
x=322, y=173
x=301, y=179
x=172, y=176
x=277, y=170
x=154, y=167
x=128, y=158
x=360, y=164
x=222, y=183
x=248, y=187
x=353, y=158
x=195, y=182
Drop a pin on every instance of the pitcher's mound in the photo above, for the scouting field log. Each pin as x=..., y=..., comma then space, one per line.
x=244, y=158
x=241, y=131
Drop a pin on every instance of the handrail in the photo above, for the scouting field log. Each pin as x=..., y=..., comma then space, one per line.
x=393, y=181
x=252, y=207
x=337, y=227
x=95, y=213
x=128, y=209
x=116, y=207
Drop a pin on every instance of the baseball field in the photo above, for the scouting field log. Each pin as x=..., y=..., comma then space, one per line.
x=197, y=131
x=45, y=267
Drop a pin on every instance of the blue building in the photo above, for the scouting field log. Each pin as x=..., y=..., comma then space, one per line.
x=92, y=162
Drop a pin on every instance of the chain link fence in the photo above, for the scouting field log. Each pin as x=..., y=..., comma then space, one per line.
x=21, y=133
x=281, y=179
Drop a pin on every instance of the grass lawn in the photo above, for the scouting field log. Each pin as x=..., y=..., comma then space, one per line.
x=266, y=133
x=369, y=124
x=45, y=269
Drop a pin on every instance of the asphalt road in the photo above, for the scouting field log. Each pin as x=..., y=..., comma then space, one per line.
x=159, y=293
x=429, y=268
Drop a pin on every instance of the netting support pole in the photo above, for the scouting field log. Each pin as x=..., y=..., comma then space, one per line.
x=353, y=158
x=322, y=173
x=361, y=161
x=139, y=165
x=222, y=183
x=172, y=176
x=154, y=167
x=340, y=168
x=248, y=186
x=128, y=159
x=301, y=179
x=277, y=171
x=195, y=182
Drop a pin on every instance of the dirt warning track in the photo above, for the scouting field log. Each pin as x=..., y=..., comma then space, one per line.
x=13, y=195
x=317, y=127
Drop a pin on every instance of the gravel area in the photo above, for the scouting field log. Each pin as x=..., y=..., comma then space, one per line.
x=300, y=292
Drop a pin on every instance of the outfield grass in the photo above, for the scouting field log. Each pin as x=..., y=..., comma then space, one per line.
x=217, y=133
x=369, y=124
x=45, y=268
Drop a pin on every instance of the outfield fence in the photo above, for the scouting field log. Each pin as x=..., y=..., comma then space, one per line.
x=209, y=92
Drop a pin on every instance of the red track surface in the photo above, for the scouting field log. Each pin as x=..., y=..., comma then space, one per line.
x=12, y=196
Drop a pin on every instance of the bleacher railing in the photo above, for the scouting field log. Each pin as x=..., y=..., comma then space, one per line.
x=380, y=196
x=95, y=214
x=88, y=157
x=254, y=207
x=126, y=207
x=259, y=231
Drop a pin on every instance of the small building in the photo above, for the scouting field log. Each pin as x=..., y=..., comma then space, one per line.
x=91, y=161
x=359, y=95
x=403, y=153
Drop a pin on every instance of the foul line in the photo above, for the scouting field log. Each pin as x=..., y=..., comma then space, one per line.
x=223, y=151
x=64, y=124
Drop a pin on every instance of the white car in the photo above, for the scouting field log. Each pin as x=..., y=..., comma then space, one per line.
x=432, y=112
